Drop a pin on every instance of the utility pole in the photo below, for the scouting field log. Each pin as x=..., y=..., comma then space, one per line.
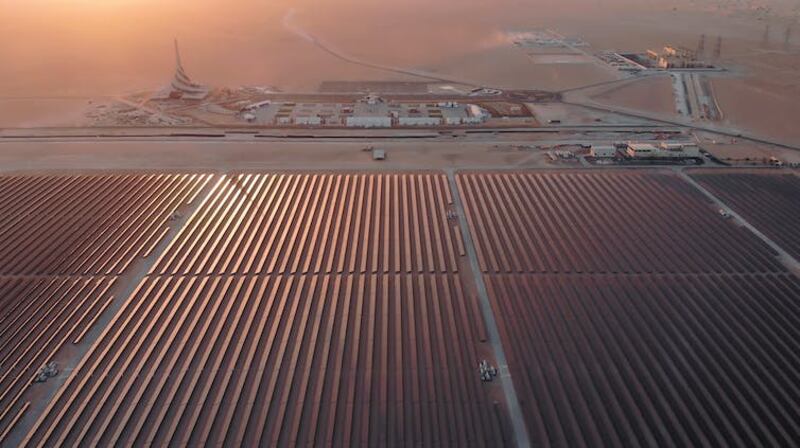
x=718, y=48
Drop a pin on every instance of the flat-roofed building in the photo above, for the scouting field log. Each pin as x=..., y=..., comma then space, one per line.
x=603, y=151
x=663, y=150
x=685, y=149
x=369, y=122
x=419, y=121
x=642, y=150
x=308, y=120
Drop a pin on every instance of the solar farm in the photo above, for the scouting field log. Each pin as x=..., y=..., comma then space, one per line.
x=769, y=201
x=561, y=307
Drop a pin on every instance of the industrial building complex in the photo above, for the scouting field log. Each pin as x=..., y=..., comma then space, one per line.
x=643, y=151
x=371, y=111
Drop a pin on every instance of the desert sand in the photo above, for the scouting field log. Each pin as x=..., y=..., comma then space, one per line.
x=651, y=94
x=119, y=47
x=30, y=157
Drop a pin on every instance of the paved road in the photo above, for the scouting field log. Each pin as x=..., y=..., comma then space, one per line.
x=170, y=133
x=660, y=119
x=512, y=400
x=790, y=262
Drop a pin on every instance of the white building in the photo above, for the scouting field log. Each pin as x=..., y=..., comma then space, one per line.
x=687, y=149
x=308, y=120
x=369, y=122
x=476, y=115
x=642, y=150
x=603, y=151
x=473, y=120
x=663, y=150
x=419, y=121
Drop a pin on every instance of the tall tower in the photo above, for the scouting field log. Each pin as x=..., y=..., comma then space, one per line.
x=718, y=48
x=182, y=85
x=181, y=80
x=178, y=63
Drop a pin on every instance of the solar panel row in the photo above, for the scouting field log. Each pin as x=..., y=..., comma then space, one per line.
x=319, y=223
x=282, y=360
x=37, y=317
x=338, y=310
x=769, y=201
x=614, y=222
x=648, y=360
x=85, y=225
x=294, y=309
x=64, y=242
x=633, y=314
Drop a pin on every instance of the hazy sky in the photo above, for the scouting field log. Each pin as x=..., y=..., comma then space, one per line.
x=80, y=47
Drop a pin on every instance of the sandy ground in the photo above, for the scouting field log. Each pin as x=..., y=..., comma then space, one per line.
x=43, y=112
x=736, y=152
x=652, y=94
x=508, y=67
x=212, y=156
x=766, y=110
x=574, y=115
x=64, y=49
x=119, y=47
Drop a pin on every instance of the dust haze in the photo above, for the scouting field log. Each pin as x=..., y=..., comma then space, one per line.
x=85, y=47
x=59, y=50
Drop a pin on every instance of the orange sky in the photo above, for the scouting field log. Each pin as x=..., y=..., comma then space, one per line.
x=89, y=47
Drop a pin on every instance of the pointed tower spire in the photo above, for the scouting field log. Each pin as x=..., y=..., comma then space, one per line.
x=180, y=72
x=178, y=63
x=182, y=86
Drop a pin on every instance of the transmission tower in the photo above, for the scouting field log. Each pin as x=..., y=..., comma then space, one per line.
x=718, y=48
x=701, y=47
